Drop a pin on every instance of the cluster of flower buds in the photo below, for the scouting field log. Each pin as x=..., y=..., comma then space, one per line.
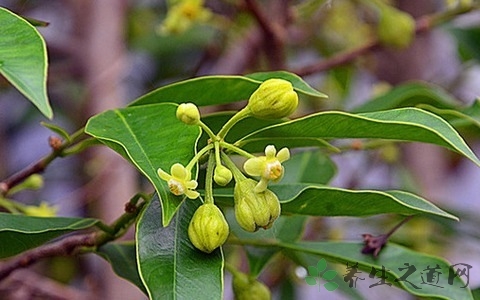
x=255, y=205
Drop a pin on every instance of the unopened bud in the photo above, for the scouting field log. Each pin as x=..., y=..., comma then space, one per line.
x=222, y=175
x=274, y=99
x=396, y=28
x=188, y=113
x=254, y=210
x=247, y=288
x=208, y=228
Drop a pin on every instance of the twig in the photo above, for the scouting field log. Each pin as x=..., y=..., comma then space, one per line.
x=76, y=244
x=64, y=247
x=273, y=33
x=58, y=147
x=422, y=24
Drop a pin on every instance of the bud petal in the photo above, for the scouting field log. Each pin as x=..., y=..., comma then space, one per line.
x=188, y=113
x=222, y=175
x=247, y=288
x=254, y=210
x=208, y=228
x=274, y=99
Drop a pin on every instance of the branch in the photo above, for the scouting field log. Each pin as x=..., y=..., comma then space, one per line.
x=422, y=24
x=59, y=149
x=273, y=31
x=64, y=247
x=77, y=244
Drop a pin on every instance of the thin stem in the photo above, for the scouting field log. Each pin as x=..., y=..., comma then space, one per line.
x=208, y=130
x=209, y=178
x=237, y=174
x=197, y=156
x=396, y=227
x=236, y=149
x=217, y=154
x=240, y=115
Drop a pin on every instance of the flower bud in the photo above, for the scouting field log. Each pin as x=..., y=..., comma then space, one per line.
x=208, y=228
x=247, y=288
x=43, y=210
x=274, y=99
x=254, y=210
x=222, y=175
x=188, y=113
x=396, y=28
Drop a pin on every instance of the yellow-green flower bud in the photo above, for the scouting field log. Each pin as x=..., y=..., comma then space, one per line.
x=254, y=210
x=274, y=99
x=43, y=210
x=248, y=288
x=208, y=228
x=188, y=113
x=395, y=28
x=222, y=175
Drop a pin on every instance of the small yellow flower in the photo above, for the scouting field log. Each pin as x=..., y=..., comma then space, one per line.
x=180, y=182
x=268, y=167
x=43, y=210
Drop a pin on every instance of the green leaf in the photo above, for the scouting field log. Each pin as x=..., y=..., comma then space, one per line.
x=19, y=233
x=392, y=257
x=404, y=124
x=316, y=200
x=309, y=167
x=213, y=90
x=23, y=59
x=285, y=228
x=57, y=129
x=329, y=275
x=151, y=137
x=122, y=257
x=410, y=94
x=169, y=265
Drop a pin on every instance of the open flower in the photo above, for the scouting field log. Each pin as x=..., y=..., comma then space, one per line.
x=180, y=182
x=268, y=167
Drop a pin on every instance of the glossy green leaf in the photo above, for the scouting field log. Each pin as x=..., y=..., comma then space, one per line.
x=169, y=265
x=122, y=256
x=57, y=129
x=19, y=233
x=410, y=94
x=23, y=59
x=285, y=228
x=221, y=89
x=316, y=200
x=309, y=167
x=392, y=257
x=460, y=119
x=151, y=137
x=404, y=124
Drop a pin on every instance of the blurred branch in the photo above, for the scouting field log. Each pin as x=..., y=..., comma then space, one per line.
x=59, y=149
x=273, y=30
x=77, y=244
x=422, y=24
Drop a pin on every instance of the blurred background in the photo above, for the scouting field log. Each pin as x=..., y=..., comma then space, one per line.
x=104, y=54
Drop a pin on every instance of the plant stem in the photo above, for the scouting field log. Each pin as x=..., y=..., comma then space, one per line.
x=197, y=156
x=240, y=115
x=237, y=174
x=236, y=149
x=209, y=178
x=207, y=129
